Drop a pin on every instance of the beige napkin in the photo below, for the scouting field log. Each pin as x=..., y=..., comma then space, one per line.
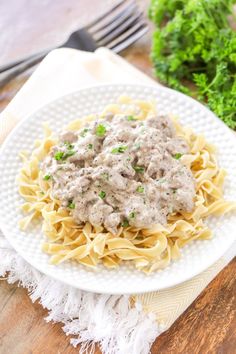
x=67, y=70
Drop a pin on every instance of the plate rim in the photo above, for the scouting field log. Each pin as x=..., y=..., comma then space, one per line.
x=181, y=279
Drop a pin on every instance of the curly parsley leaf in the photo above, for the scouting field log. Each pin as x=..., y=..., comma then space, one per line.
x=193, y=43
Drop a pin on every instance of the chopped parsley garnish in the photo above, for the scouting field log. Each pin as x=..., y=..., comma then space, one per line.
x=137, y=146
x=138, y=169
x=71, y=205
x=131, y=118
x=140, y=189
x=90, y=146
x=161, y=180
x=119, y=150
x=46, y=177
x=105, y=176
x=125, y=223
x=84, y=131
x=68, y=145
x=174, y=191
x=100, y=130
x=132, y=215
x=102, y=194
x=177, y=156
x=41, y=192
x=59, y=155
x=68, y=154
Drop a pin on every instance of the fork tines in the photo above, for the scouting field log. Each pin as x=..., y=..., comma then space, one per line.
x=119, y=27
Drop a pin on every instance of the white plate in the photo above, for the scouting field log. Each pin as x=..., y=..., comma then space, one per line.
x=196, y=257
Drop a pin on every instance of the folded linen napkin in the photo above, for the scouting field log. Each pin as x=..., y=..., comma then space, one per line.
x=109, y=320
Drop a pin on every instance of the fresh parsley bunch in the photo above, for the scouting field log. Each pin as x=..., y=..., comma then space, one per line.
x=193, y=43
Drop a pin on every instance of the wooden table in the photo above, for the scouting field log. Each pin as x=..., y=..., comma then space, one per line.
x=208, y=325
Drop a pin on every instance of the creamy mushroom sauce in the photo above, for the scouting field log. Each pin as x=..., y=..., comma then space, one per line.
x=121, y=171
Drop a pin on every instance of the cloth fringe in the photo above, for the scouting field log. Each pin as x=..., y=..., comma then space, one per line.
x=90, y=318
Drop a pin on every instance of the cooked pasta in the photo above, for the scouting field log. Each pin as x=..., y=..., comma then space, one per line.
x=148, y=249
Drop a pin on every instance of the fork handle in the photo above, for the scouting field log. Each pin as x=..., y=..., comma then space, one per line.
x=9, y=74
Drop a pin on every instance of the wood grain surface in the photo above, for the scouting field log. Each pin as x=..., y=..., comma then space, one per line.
x=207, y=326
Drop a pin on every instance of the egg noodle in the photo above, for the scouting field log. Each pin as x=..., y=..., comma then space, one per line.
x=148, y=249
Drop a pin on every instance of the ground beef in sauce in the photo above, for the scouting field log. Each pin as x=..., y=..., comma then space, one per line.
x=119, y=170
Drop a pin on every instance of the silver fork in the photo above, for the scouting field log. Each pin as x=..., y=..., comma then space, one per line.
x=116, y=29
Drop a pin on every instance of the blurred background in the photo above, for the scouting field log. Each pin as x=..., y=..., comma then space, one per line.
x=29, y=26
x=193, y=42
